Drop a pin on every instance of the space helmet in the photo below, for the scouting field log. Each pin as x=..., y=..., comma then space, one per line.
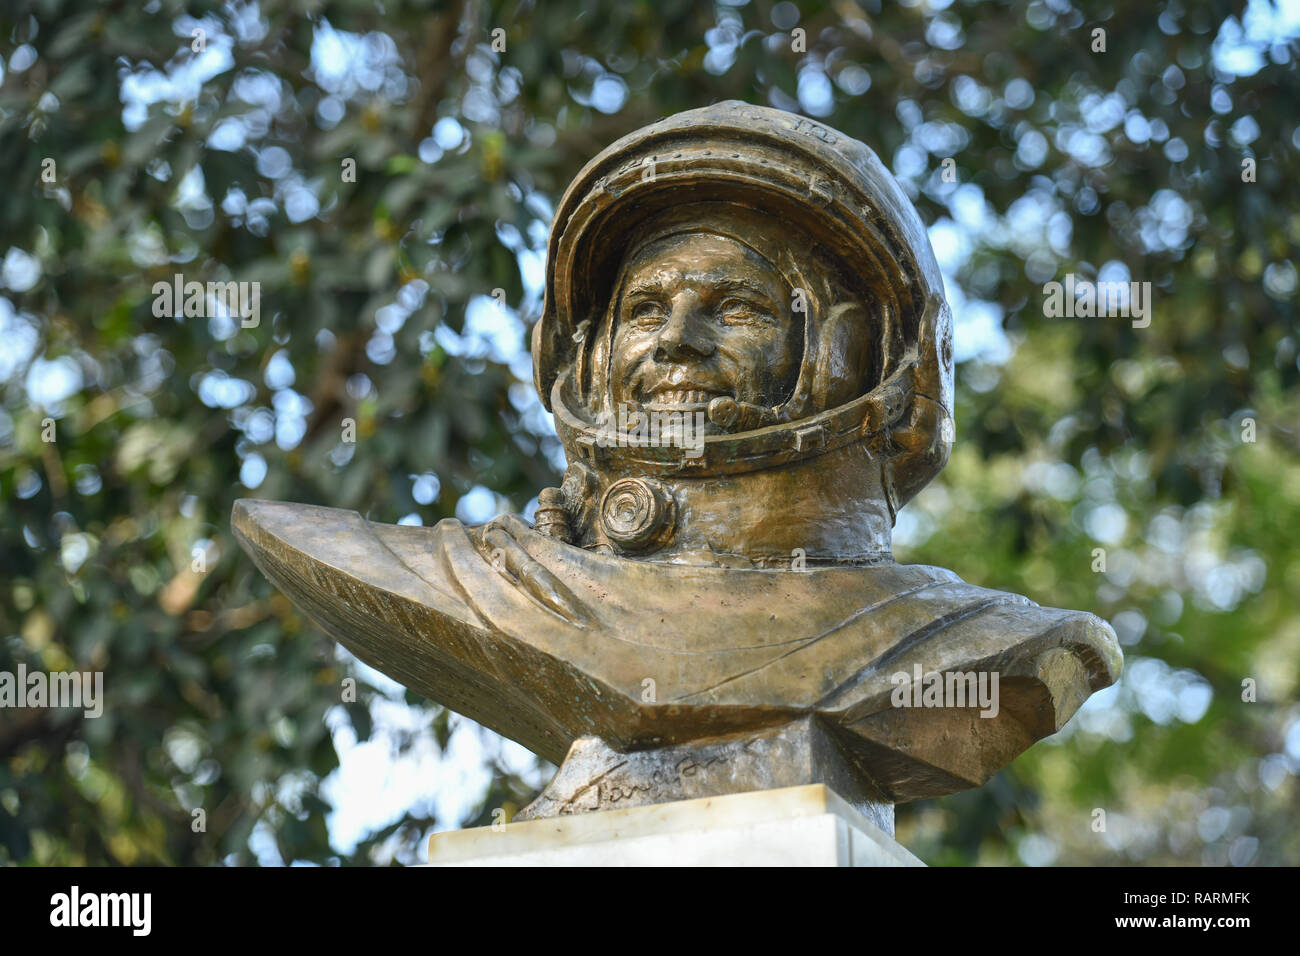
x=865, y=423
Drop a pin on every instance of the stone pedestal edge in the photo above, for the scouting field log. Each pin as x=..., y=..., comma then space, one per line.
x=793, y=826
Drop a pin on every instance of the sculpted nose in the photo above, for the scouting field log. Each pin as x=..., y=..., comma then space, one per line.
x=685, y=332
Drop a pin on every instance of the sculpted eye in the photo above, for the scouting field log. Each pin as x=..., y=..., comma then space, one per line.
x=735, y=310
x=647, y=312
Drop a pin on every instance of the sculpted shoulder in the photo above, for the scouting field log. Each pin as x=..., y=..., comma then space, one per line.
x=450, y=607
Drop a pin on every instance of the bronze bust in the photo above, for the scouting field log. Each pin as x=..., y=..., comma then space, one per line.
x=748, y=354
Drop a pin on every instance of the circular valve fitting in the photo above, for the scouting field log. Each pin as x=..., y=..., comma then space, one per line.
x=637, y=513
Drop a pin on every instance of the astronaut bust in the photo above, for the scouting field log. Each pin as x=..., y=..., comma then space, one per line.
x=748, y=355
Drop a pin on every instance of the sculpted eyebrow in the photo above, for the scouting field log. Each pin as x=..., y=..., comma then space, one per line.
x=716, y=289
x=644, y=287
x=726, y=286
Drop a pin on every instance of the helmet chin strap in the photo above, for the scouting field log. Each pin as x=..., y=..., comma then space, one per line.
x=831, y=374
x=831, y=371
x=733, y=416
x=825, y=330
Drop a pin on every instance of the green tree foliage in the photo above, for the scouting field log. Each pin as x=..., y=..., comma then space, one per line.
x=387, y=174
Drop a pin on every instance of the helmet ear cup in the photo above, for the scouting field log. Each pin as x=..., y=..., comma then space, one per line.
x=591, y=345
x=543, y=357
x=927, y=430
x=843, y=356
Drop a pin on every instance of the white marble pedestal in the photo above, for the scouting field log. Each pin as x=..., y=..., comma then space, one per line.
x=795, y=826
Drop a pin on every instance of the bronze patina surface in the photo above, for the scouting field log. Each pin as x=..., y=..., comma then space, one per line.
x=748, y=354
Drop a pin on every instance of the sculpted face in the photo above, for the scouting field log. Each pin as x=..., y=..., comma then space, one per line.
x=701, y=316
